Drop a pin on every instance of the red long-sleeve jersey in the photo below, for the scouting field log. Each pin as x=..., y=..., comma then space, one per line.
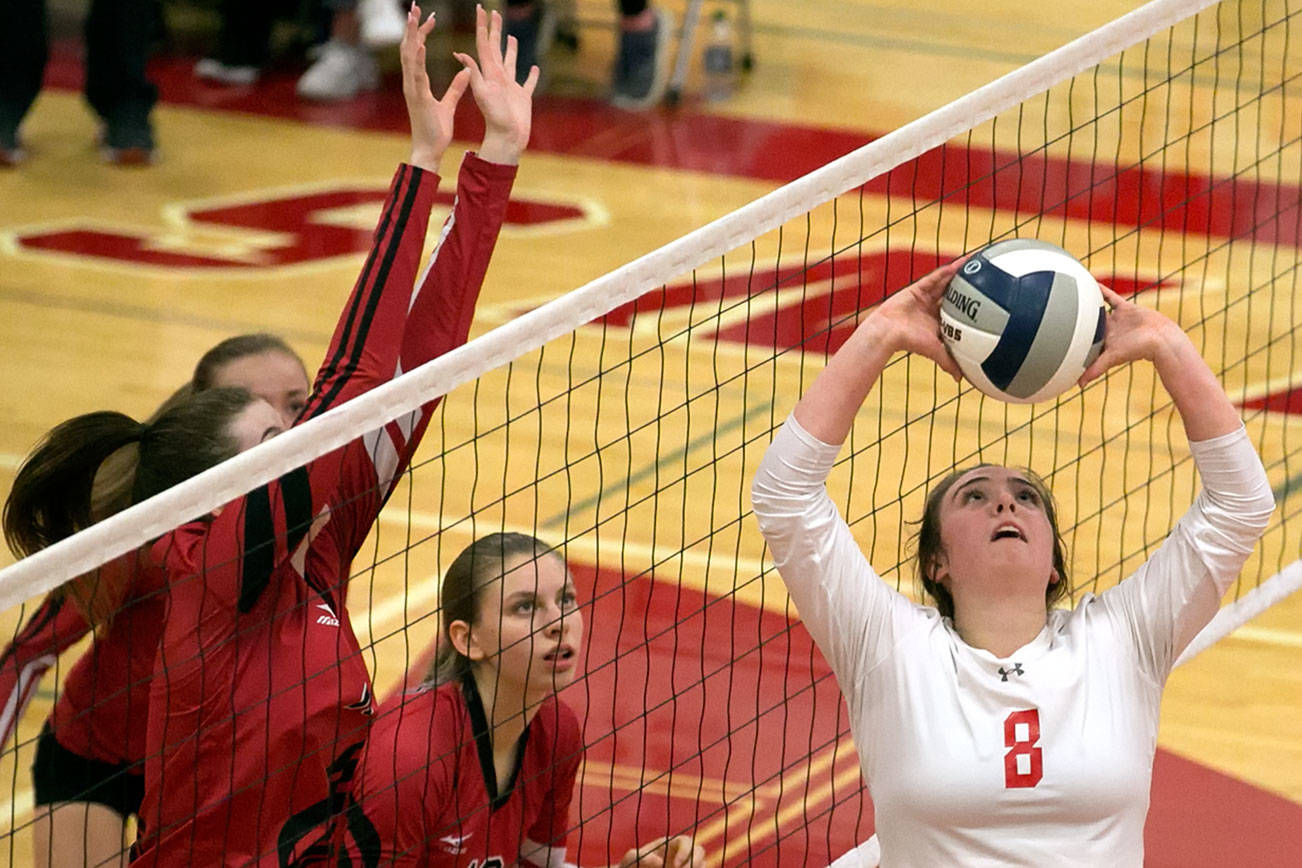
x=260, y=699
x=100, y=713
x=54, y=627
x=426, y=793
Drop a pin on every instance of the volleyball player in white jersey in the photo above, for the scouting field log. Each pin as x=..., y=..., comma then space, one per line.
x=991, y=728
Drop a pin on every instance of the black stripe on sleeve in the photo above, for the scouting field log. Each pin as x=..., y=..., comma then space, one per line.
x=373, y=298
x=260, y=531
x=296, y=491
x=363, y=281
x=259, y=547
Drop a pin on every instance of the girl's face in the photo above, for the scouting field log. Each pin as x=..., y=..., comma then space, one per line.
x=257, y=422
x=529, y=627
x=995, y=529
x=273, y=376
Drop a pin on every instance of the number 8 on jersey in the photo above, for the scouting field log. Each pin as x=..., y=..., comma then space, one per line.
x=1023, y=765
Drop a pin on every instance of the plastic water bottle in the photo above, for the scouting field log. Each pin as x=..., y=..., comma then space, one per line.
x=720, y=66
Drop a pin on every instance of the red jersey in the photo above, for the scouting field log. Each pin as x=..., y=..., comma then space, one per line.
x=260, y=697
x=55, y=626
x=101, y=711
x=427, y=793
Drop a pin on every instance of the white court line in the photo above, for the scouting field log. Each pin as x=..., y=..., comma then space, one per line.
x=1268, y=636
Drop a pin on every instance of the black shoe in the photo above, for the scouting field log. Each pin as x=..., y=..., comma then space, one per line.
x=127, y=142
x=11, y=149
x=533, y=37
x=642, y=65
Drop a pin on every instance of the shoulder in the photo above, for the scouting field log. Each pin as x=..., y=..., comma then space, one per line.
x=425, y=713
x=415, y=730
x=556, y=736
x=557, y=719
x=181, y=548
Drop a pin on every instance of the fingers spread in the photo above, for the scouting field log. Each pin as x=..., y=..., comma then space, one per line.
x=495, y=30
x=427, y=26
x=456, y=88
x=469, y=63
x=481, y=31
x=532, y=81
x=508, y=62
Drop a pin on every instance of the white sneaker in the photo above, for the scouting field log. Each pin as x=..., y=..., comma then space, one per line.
x=214, y=70
x=382, y=22
x=341, y=72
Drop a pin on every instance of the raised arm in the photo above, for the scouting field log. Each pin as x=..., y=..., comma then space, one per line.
x=1178, y=590
x=908, y=321
x=849, y=611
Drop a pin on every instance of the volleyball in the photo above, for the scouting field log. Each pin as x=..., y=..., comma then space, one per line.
x=1023, y=319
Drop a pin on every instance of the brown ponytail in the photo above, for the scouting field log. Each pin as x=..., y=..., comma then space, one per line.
x=51, y=495
x=95, y=465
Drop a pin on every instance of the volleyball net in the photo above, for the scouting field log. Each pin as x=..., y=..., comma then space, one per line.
x=623, y=422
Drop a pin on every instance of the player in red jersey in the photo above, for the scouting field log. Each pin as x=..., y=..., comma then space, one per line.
x=87, y=776
x=260, y=699
x=476, y=768
x=90, y=754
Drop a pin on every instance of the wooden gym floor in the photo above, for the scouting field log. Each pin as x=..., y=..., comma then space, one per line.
x=120, y=324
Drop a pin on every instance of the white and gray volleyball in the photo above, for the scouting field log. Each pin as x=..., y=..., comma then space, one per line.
x=1023, y=319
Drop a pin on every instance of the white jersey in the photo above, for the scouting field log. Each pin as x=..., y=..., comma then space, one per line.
x=1043, y=757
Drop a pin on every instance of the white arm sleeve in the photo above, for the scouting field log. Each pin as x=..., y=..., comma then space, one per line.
x=852, y=615
x=1178, y=590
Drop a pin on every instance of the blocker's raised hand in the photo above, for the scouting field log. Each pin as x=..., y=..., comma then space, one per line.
x=431, y=119
x=507, y=106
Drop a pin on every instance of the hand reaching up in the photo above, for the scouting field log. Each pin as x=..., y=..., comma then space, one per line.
x=507, y=107
x=431, y=119
x=679, y=851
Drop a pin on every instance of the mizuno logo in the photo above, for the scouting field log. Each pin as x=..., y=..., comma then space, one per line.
x=364, y=704
x=1016, y=670
x=454, y=844
x=328, y=618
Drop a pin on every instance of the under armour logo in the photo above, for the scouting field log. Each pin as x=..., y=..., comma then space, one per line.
x=1016, y=670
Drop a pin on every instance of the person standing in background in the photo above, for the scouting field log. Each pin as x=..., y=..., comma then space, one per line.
x=118, y=37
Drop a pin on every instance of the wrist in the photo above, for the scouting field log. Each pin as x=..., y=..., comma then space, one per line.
x=503, y=149
x=428, y=159
x=879, y=334
x=1172, y=347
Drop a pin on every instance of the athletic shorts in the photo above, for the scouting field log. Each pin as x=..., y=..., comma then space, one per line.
x=59, y=775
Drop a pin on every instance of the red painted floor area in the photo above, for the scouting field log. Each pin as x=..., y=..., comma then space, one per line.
x=1028, y=183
